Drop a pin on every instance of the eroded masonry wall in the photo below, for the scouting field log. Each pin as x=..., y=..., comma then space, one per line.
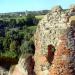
x=50, y=30
x=64, y=59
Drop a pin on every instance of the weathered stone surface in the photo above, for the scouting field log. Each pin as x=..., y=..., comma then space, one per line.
x=54, y=30
x=25, y=66
x=64, y=58
x=56, y=9
x=72, y=8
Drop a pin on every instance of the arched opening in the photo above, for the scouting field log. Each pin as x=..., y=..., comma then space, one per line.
x=51, y=50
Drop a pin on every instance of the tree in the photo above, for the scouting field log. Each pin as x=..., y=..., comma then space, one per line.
x=24, y=47
x=20, y=23
x=13, y=45
x=12, y=23
x=14, y=34
x=1, y=44
x=28, y=47
x=6, y=43
x=30, y=19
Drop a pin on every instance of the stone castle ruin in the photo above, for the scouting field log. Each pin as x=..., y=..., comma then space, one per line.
x=55, y=32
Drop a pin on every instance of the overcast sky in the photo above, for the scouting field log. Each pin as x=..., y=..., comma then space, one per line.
x=22, y=5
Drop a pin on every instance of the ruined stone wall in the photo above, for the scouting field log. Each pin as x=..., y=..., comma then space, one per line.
x=49, y=31
x=64, y=58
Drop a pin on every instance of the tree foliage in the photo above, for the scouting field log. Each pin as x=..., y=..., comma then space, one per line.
x=16, y=35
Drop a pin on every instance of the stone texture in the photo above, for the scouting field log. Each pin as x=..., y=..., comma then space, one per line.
x=25, y=66
x=64, y=58
x=55, y=29
x=72, y=8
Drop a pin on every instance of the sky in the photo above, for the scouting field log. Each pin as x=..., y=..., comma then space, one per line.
x=31, y=5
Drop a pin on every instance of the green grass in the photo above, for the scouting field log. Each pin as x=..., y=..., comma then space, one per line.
x=21, y=17
x=32, y=27
x=39, y=16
